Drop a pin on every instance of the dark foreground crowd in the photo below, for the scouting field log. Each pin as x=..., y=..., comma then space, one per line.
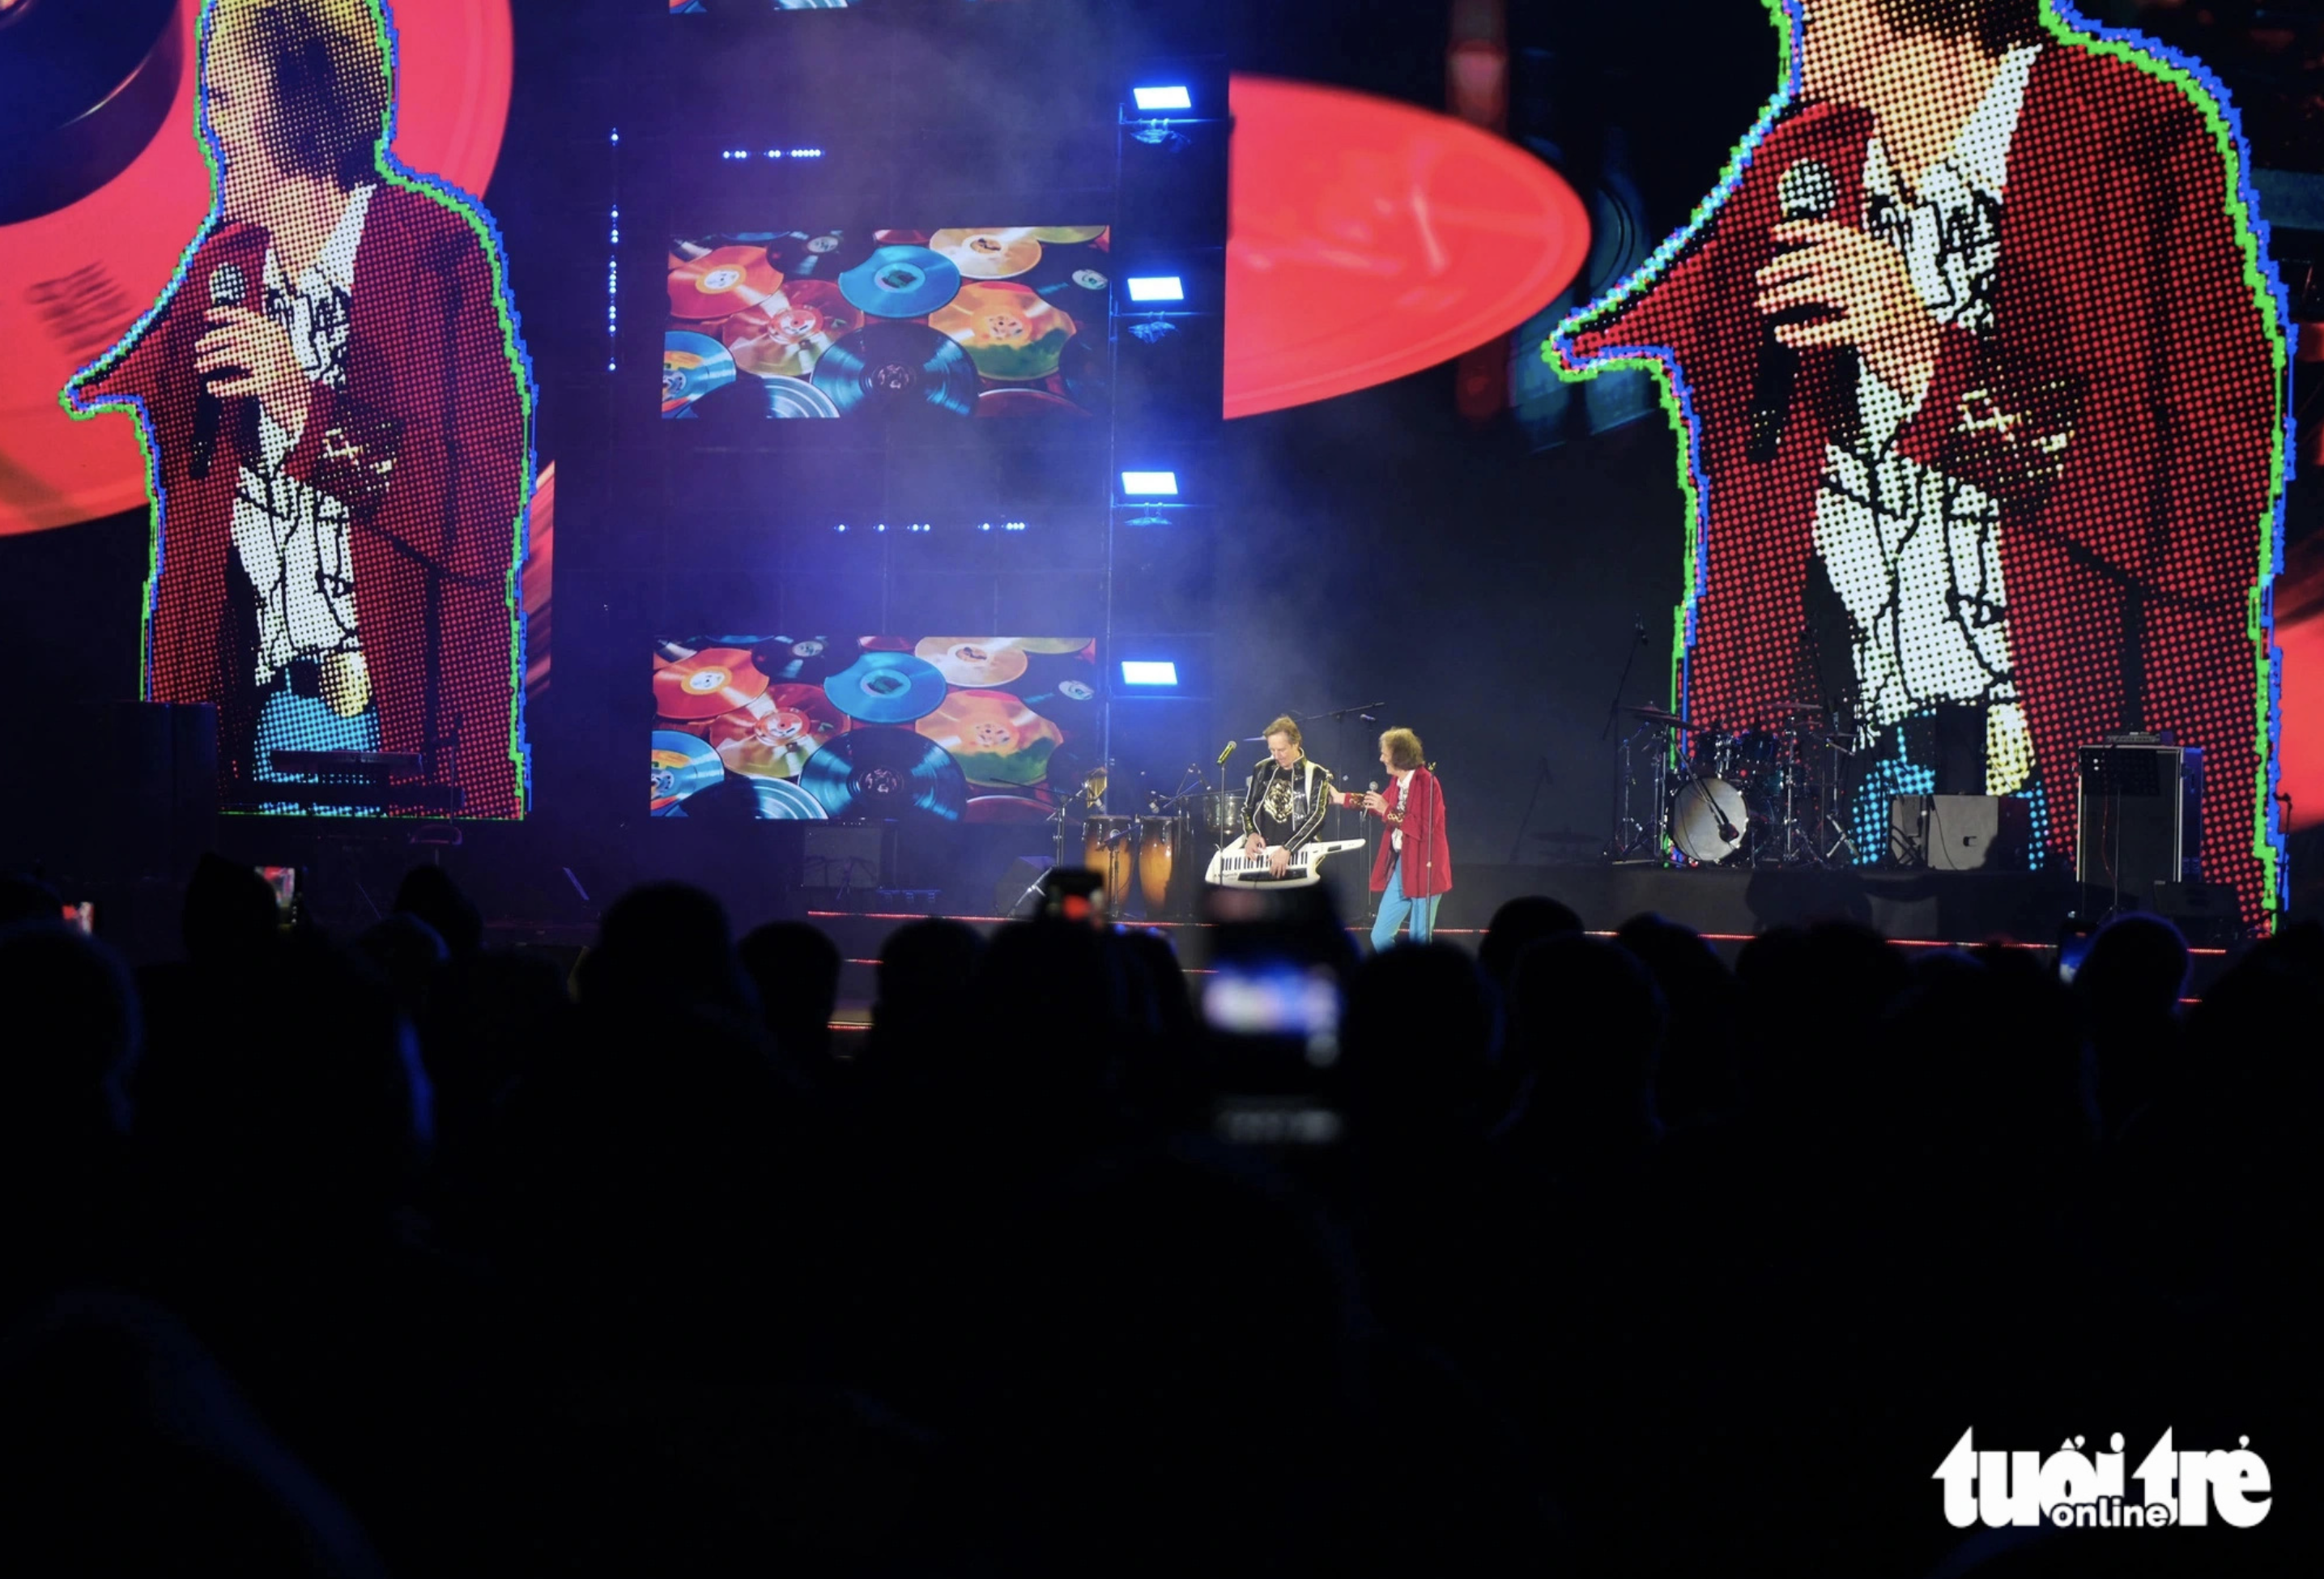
x=406, y=1255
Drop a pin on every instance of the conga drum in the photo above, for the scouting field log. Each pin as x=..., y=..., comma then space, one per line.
x=1109, y=846
x=1158, y=838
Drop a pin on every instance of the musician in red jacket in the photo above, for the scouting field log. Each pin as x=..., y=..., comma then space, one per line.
x=1413, y=870
x=1982, y=378
x=337, y=425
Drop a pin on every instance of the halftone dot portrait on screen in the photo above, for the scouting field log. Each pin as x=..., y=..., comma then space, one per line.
x=336, y=415
x=1980, y=375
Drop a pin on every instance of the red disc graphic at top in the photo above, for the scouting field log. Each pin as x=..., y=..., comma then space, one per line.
x=1370, y=239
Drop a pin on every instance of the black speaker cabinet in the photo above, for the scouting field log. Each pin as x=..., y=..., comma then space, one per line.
x=2138, y=821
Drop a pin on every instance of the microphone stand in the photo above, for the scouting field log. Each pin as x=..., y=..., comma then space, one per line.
x=1614, y=707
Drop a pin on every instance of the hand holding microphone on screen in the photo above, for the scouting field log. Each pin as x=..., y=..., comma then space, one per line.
x=1861, y=283
x=245, y=352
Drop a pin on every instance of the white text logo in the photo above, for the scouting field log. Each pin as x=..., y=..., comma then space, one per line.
x=2070, y=1489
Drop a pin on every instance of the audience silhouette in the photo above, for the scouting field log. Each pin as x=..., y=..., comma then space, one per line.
x=425, y=1254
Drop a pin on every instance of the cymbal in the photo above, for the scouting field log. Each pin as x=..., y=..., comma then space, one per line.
x=1799, y=706
x=1658, y=715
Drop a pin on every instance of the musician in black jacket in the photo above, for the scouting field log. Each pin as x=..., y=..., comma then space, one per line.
x=1287, y=796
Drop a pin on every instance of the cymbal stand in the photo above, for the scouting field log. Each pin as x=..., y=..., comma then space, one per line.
x=1833, y=805
x=1642, y=793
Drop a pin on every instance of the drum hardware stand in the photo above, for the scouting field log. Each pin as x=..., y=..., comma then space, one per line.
x=1637, y=831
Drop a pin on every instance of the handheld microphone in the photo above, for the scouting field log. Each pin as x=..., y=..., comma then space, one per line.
x=1228, y=753
x=227, y=285
x=1806, y=190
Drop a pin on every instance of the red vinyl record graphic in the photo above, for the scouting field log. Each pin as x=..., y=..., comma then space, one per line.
x=722, y=283
x=1351, y=212
x=76, y=275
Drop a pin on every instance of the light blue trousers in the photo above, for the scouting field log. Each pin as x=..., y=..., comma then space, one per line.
x=290, y=722
x=1394, y=908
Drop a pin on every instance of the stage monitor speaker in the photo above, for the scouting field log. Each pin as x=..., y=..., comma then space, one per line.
x=2137, y=821
x=1960, y=833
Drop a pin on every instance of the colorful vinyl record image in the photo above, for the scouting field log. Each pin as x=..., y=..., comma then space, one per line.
x=886, y=688
x=991, y=252
x=723, y=281
x=1009, y=332
x=974, y=661
x=821, y=256
x=1082, y=646
x=1071, y=704
x=692, y=366
x=1084, y=293
x=780, y=800
x=714, y=681
x=801, y=660
x=775, y=735
x=901, y=368
x=1067, y=235
x=1023, y=401
x=794, y=397
x=1007, y=808
x=993, y=736
x=877, y=775
x=683, y=765
x=785, y=336
x=901, y=281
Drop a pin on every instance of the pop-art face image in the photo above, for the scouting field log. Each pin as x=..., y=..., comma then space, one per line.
x=335, y=543
x=1978, y=363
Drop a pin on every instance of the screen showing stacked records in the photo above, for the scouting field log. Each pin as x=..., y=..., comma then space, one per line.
x=873, y=728
x=971, y=321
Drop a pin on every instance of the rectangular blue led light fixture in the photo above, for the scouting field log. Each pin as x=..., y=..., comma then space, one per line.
x=1156, y=288
x=1136, y=673
x=1150, y=485
x=1172, y=97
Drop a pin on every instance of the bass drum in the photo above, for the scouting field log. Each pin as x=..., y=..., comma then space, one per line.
x=1159, y=839
x=1708, y=820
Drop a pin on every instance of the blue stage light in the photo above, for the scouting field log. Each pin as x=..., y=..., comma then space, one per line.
x=1139, y=673
x=1156, y=288
x=1150, y=485
x=1163, y=99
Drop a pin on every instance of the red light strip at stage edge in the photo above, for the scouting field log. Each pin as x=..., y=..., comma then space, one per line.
x=2062, y=24
x=478, y=219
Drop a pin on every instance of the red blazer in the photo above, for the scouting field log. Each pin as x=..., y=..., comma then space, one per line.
x=2126, y=412
x=430, y=444
x=1427, y=858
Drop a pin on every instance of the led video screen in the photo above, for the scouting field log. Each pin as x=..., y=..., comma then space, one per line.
x=1976, y=423
x=991, y=321
x=337, y=418
x=927, y=729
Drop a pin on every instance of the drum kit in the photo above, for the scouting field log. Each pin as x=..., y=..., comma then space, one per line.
x=1769, y=795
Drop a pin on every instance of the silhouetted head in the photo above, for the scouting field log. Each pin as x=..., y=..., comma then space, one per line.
x=796, y=970
x=430, y=893
x=664, y=943
x=306, y=1097
x=2137, y=969
x=1420, y=1035
x=407, y=954
x=1517, y=924
x=71, y=1021
x=1591, y=1022
x=230, y=911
